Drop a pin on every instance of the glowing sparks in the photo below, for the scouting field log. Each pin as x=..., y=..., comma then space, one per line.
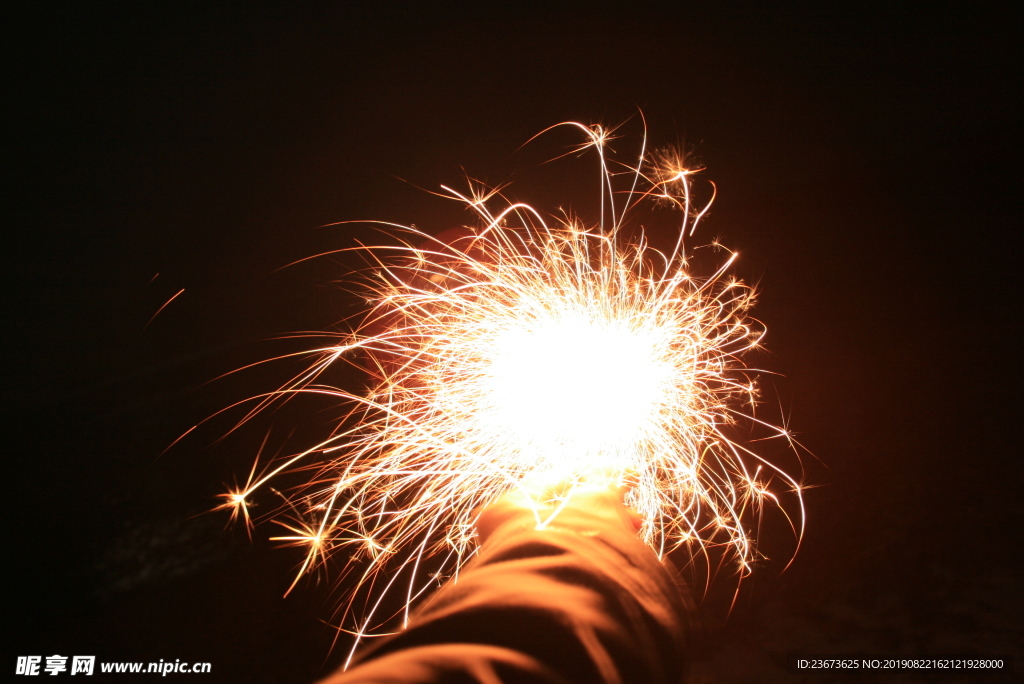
x=529, y=352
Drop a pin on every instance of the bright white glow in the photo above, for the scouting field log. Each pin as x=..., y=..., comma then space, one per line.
x=572, y=389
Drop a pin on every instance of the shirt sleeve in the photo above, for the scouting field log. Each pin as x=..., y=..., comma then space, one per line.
x=581, y=601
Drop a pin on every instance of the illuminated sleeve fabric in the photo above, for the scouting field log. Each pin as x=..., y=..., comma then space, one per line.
x=582, y=602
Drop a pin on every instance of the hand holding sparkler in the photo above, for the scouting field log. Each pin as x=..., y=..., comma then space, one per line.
x=593, y=507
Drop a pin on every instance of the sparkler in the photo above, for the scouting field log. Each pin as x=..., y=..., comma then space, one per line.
x=538, y=354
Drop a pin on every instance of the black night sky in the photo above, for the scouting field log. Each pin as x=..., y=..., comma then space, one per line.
x=868, y=166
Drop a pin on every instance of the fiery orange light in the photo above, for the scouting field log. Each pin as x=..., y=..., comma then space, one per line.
x=534, y=351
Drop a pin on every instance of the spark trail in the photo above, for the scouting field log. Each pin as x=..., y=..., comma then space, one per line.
x=534, y=353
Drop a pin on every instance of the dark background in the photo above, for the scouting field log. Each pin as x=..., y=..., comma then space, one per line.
x=868, y=165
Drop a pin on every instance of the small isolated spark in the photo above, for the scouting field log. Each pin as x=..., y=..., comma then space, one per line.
x=537, y=354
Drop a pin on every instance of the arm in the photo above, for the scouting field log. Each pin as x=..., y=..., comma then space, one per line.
x=582, y=600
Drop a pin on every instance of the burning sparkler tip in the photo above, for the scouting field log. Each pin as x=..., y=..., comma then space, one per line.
x=538, y=355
